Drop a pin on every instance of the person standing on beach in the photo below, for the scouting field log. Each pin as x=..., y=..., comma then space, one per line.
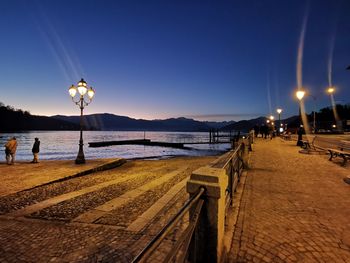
x=10, y=150
x=36, y=150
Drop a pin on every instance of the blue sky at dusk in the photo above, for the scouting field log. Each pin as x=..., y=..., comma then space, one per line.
x=213, y=60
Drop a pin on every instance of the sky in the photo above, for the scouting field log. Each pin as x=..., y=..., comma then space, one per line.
x=207, y=60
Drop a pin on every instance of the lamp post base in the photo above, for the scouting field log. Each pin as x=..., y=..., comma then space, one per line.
x=80, y=158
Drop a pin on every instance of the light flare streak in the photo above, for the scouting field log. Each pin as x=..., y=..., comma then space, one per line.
x=299, y=70
x=64, y=57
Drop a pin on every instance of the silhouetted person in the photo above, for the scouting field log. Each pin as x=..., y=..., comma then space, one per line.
x=300, y=135
x=10, y=150
x=36, y=150
x=264, y=131
x=256, y=130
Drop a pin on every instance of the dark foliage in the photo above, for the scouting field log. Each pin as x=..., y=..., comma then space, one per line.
x=18, y=120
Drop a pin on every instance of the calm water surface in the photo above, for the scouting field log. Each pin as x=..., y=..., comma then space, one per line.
x=63, y=145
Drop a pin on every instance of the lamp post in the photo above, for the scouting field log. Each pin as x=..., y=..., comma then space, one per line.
x=82, y=102
x=314, y=122
x=279, y=111
x=300, y=95
x=272, y=131
x=330, y=91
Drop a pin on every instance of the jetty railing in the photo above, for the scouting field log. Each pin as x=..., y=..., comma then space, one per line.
x=184, y=239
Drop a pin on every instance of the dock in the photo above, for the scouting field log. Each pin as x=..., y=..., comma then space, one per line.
x=145, y=142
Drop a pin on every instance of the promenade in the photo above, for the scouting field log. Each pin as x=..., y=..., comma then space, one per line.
x=294, y=208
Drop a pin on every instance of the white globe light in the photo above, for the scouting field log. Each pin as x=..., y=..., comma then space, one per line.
x=82, y=89
x=91, y=93
x=300, y=94
x=72, y=91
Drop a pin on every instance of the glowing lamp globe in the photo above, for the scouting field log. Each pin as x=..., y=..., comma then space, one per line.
x=279, y=111
x=82, y=89
x=72, y=91
x=330, y=90
x=91, y=93
x=300, y=94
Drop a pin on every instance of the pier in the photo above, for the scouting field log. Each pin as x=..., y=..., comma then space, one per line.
x=144, y=142
x=215, y=137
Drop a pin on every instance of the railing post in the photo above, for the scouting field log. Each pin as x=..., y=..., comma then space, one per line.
x=207, y=243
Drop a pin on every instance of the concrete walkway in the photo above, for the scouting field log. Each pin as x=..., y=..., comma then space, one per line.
x=295, y=208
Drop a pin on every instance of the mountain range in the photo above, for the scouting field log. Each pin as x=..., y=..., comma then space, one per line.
x=107, y=121
x=19, y=120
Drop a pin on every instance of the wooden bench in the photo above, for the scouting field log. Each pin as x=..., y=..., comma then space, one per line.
x=342, y=150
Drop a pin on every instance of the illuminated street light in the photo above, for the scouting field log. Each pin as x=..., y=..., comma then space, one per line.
x=279, y=111
x=330, y=90
x=272, y=118
x=82, y=102
x=300, y=94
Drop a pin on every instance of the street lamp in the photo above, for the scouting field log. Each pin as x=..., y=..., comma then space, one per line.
x=82, y=102
x=300, y=95
x=330, y=91
x=279, y=111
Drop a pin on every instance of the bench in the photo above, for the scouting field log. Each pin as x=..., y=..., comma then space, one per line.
x=342, y=150
x=286, y=136
x=307, y=145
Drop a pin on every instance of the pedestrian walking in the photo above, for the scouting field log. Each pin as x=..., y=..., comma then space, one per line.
x=10, y=150
x=36, y=150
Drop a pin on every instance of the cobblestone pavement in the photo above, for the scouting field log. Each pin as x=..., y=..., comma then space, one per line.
x=29, y=175
x=295, y=208
x=49, y=234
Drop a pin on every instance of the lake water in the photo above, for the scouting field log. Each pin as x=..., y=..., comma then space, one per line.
x=64, y=145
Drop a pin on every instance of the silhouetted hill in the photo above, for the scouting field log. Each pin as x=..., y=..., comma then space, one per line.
x=244, y=125
x=108, y=121
x=19, y=120
x=218, y=125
